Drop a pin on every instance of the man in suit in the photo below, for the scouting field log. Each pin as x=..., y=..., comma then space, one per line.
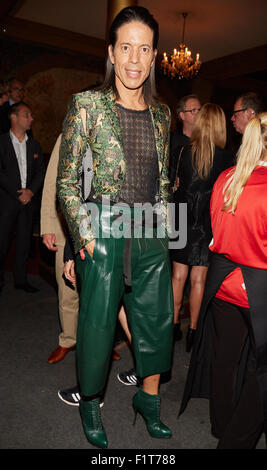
x=21, y=176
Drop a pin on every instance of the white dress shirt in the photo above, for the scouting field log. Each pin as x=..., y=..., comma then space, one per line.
x=21, y=154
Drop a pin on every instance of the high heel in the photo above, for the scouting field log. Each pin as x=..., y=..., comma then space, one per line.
x=149, y=407
x=190, y=338
x=92, y=423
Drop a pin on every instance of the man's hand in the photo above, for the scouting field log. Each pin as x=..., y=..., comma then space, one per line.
x=49, y=240
x=69, y=271
x=90, y=248
x=25, y=196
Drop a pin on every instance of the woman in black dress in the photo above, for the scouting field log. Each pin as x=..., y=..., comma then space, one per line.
x=199, y=166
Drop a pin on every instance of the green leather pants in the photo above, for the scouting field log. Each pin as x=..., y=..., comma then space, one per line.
x=149, y=307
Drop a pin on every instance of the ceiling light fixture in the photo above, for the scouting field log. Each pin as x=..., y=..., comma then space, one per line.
x=181, y=64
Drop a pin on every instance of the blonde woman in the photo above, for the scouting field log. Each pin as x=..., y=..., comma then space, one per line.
x=200, y=164
x=228, y=364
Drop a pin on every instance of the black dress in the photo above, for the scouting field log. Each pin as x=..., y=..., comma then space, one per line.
x=196, y=192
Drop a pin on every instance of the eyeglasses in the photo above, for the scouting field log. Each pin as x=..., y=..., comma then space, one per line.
x=239, y=111
x=192, y=111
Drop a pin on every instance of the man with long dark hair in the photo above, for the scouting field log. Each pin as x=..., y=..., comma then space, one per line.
x=128, y=132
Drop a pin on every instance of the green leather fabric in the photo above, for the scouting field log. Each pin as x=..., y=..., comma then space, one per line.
x=148, y=303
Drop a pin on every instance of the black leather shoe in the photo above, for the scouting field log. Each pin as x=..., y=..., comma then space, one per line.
x=27, y=288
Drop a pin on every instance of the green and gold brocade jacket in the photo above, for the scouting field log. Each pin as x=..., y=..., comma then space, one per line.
x=92, y=119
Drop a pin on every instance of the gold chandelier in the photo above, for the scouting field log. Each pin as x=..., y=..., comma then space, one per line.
x=181, y=63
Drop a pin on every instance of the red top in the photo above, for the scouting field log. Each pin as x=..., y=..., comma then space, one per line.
x=242, y=236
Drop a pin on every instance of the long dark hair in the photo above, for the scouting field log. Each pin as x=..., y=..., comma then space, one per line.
x=127, y=15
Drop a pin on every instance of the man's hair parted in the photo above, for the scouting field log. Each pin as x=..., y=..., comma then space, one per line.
x=15, y=107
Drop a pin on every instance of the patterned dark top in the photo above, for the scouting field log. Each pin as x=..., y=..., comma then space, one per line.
x=142, y=171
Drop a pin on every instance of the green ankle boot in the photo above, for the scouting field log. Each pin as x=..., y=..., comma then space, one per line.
x=92, y=424
x=149, y=407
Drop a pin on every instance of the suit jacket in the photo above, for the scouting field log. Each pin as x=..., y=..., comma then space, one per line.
x=52, y=220
x=10, y=180
x=93, y=120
